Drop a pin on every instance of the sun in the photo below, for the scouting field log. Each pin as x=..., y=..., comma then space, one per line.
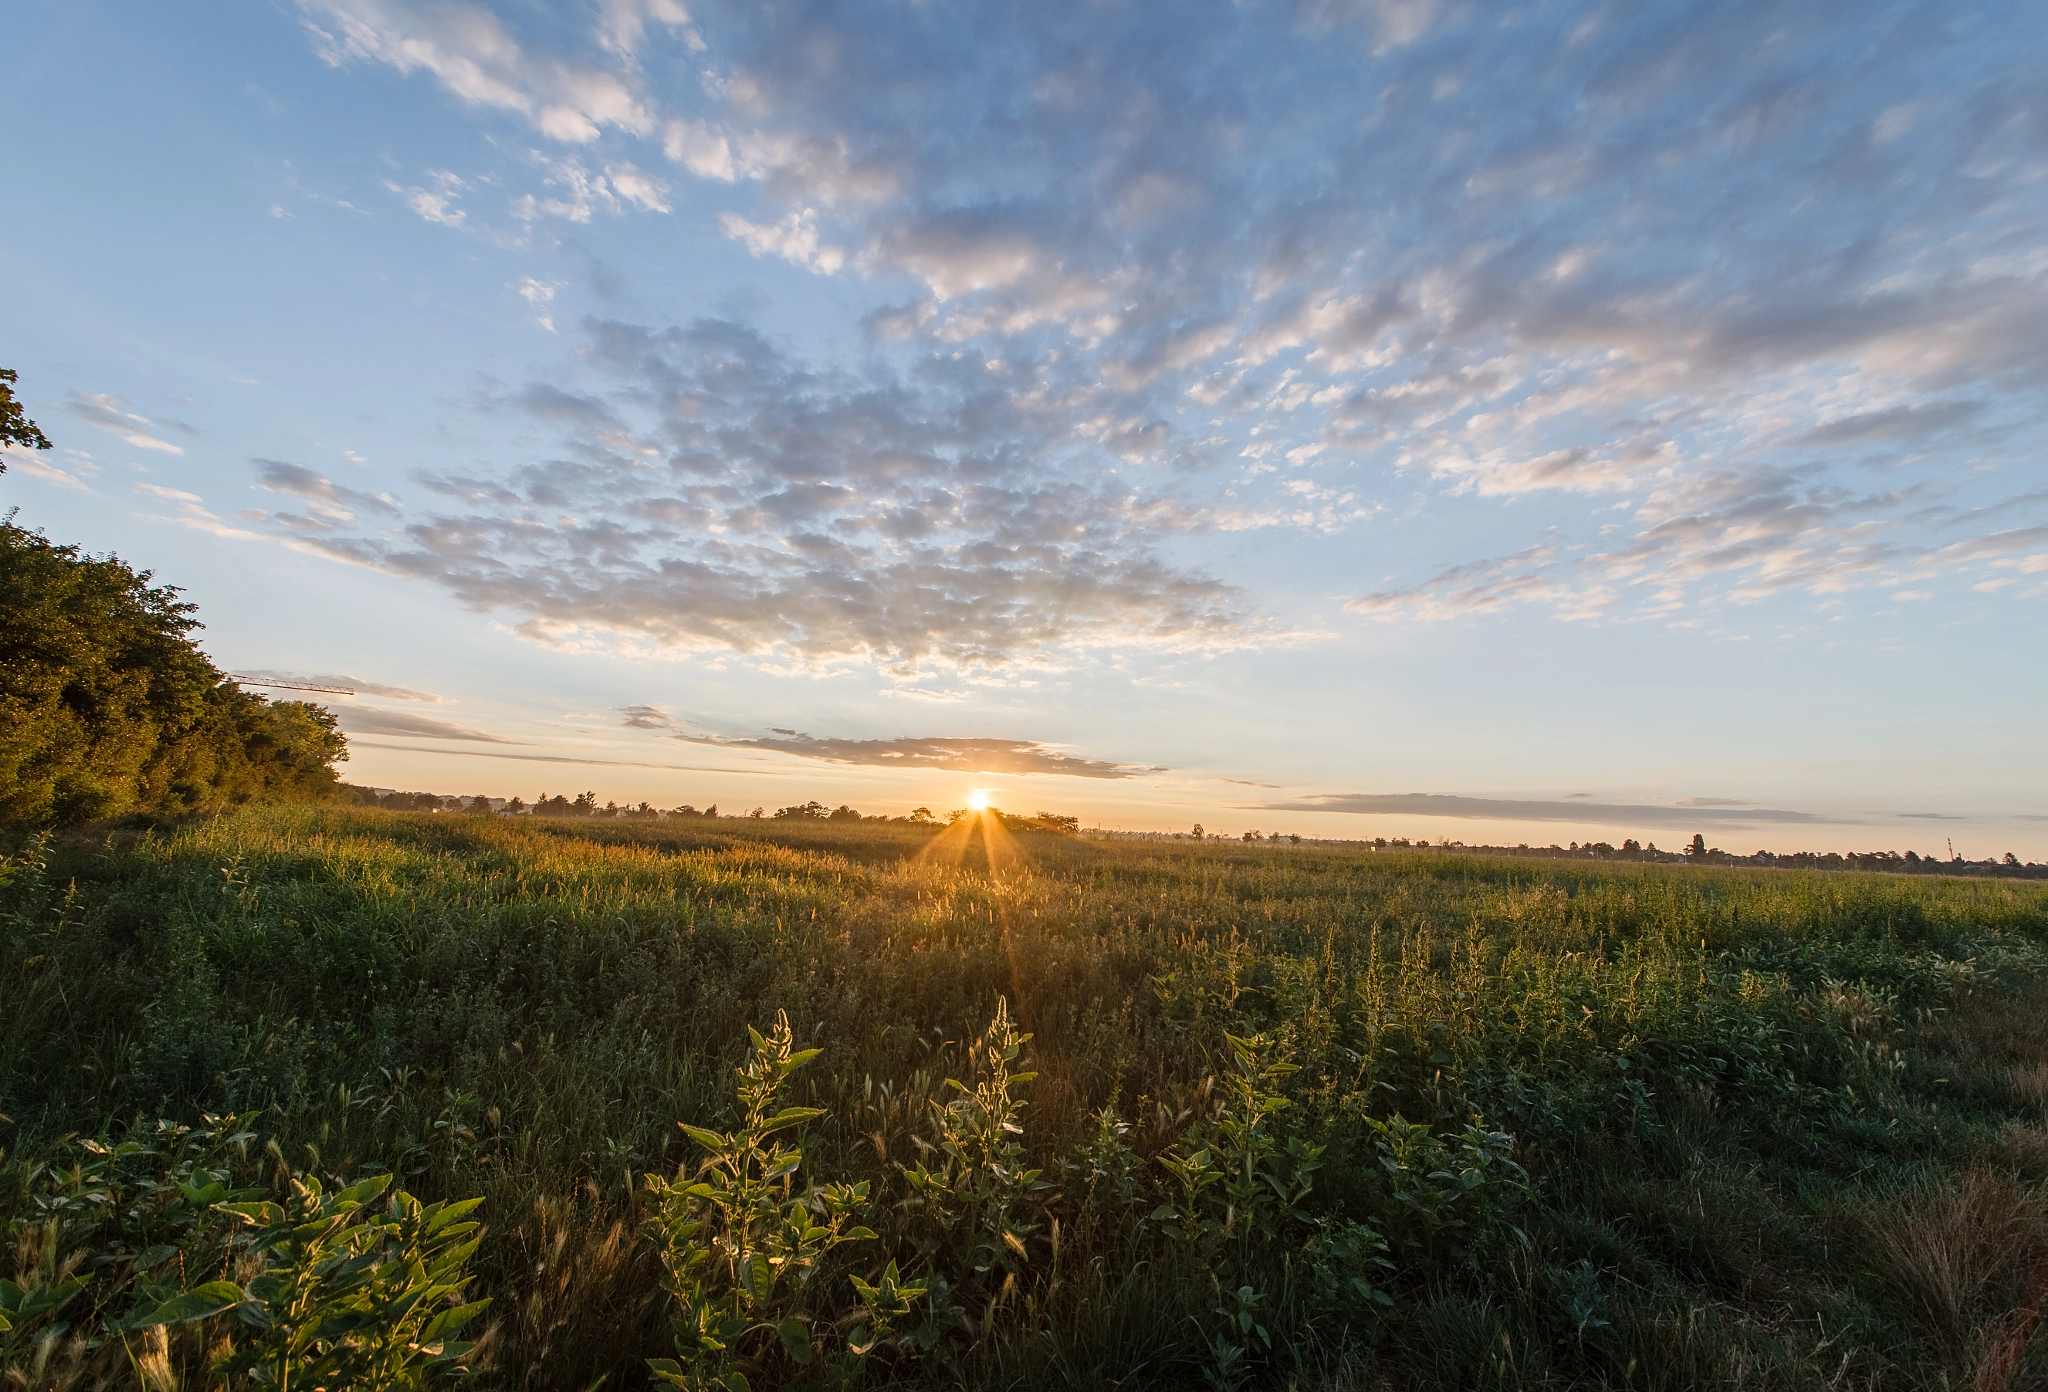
x=978, y=800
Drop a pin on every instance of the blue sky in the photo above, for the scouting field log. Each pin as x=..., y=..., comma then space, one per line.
x=1601, y=420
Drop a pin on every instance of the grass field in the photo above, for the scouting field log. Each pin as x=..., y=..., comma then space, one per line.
x=1293, y=1116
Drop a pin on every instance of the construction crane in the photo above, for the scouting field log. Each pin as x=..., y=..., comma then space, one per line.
x=290, y=686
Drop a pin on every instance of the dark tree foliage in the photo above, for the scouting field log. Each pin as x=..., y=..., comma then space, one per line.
x=15, y=426
x=107, y=707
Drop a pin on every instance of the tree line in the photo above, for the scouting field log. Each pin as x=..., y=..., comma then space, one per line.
x=585, y=804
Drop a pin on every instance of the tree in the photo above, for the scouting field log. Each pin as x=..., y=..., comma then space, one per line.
x=812, y=811
x=15, y=426
x=1698, y=849
x=108, y=707
x=1197, y=832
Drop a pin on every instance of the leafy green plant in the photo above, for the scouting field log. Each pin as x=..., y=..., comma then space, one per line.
x=740, y=1242
x=1105, y=1176
x=972, y=1188
x=1436, y=1191
x=93, y=1221
x=1240, y=1190
x=344, y=1294
x=883, y=1305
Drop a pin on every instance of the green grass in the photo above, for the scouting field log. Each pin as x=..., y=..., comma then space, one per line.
x=1752, y=1128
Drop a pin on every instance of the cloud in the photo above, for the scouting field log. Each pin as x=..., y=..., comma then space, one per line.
x=1648, y=270
x=368, y=720
x=645, y=718
x=189, y=510
x=794, y=238
x=1517, y=810
x=436, y=205
x=355, y=684
x=1893, y=423
x=713, y=493
x=328, y=503
x=557, y=759
x=935, y=753
x=111, y=414
x=472, y=54
x=580, y=193
x=29, y=463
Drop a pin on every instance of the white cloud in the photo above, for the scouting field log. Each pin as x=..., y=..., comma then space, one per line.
x=189, y=510
x=700, y=148
x=28, y=462
x=794, y=238
x=471, y=53
x=430, y=206
x=111, y=414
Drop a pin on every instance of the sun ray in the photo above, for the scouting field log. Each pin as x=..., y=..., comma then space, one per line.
x=999, y=849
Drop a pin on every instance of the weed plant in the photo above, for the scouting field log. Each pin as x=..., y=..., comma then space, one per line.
x=797, y=1105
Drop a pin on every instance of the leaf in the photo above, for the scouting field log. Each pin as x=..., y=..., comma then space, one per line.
x=154, y=1257
x=449, y=1212
x=710, y=1140
x=788, y=1117
x=796, y=1340
x=449, y=1321
x=758, y=1277
x=363, y=1190
x=201, y=1302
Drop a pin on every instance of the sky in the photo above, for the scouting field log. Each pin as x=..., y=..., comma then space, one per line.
x=1485, y=422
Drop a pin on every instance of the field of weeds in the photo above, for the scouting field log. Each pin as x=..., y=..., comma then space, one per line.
x=753, y=1104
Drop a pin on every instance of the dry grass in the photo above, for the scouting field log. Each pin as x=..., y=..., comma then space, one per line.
x=2030, y=1084
x=590, y=1288
x=1956, y=1251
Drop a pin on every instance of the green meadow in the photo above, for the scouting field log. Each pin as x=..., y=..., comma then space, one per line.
x=1115, y=1115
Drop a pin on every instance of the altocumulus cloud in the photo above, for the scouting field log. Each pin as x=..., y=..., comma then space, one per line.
x=1748, y=298
x=719, y=495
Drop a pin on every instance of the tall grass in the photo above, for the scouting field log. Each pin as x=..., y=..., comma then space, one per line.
x=1458, y=1121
